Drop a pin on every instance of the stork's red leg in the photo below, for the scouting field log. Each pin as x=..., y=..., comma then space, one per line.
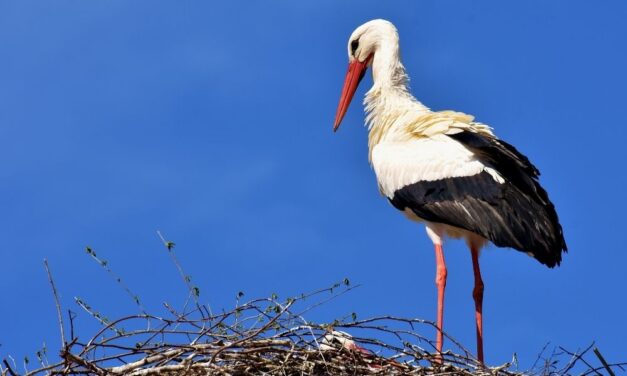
x=440, y=282
x=477, y=294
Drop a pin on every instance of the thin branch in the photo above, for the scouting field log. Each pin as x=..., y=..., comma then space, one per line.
x=194, y=291
x=105, y=265
x=268, y=324
x=9, y=369
x=56, y=302
x=602, y=359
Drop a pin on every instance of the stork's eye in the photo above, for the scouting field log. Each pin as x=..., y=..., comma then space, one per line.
x=354, y=46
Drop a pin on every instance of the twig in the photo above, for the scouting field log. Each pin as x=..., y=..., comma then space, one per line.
x=602, y=359
x=44, y=369
x=194, y=291
x=105, y=265
x=71, y=315
x=83, y=362
x=578, y=357
x=268, y=324
x=95, y=314
x=8, y=366
x=56, y=302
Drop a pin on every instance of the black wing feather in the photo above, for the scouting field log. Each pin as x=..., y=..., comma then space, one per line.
x=516, y=213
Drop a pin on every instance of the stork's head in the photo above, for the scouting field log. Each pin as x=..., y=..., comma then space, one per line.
x=363, y=44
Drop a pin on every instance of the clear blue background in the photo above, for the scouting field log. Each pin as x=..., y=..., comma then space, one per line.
x=212, y=123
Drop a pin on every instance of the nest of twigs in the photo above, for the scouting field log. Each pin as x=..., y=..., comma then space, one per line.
x=270, y=336
x=261, y=337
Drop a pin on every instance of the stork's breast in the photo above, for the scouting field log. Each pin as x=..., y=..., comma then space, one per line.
x=398, y=164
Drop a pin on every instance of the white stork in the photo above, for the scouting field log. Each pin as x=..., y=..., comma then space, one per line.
x=446, y=170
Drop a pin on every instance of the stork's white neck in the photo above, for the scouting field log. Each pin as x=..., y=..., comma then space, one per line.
x=387, y=69
x=389, y=104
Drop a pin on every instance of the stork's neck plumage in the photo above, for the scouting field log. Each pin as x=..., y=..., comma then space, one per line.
x=389, y=104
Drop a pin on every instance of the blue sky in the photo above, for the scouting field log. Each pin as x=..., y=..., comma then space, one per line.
x=212, y=123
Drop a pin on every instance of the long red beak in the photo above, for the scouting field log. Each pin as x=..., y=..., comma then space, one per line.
x=356, y=71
